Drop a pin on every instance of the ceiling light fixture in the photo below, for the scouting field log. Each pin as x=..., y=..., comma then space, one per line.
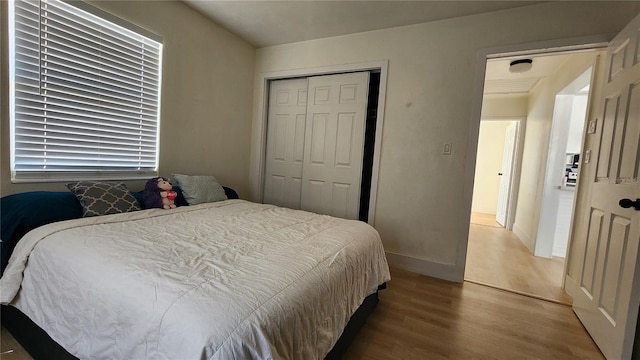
x=520, y=66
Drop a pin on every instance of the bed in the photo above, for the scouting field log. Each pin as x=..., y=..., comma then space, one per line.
x=229, y=279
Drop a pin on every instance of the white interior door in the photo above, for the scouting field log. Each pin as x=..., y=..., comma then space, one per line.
x=334, y=141
x=505, y=174
x=285, y=142
x=603, y=273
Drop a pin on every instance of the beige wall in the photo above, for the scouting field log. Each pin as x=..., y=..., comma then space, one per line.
x=423, y=199
x=496, y=107
x=207, y=89
x=535, y=152
x=538, y=126
x=486, y=186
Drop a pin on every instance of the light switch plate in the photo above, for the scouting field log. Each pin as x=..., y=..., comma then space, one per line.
x=446, y=150
x=592, y=126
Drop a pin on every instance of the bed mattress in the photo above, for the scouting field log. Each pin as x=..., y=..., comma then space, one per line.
x=225, y=280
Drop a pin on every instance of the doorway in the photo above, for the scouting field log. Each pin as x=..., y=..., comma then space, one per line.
x=496, y=257
x=496, y=165
x=501, y=253
x=563, y=167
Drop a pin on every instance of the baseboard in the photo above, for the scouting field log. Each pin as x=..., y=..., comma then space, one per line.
x=519, y=292
x=524, y=237
x=425, y=267
x=559, y=252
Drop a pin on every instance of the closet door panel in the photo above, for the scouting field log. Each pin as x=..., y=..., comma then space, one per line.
x=334, y=142
x=318, y=139
x=344, y=140
x=285, y=142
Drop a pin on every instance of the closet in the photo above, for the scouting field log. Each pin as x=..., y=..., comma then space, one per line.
x=316, y=143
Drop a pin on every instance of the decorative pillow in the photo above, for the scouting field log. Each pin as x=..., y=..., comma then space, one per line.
x=103, y=197
x=200, y=189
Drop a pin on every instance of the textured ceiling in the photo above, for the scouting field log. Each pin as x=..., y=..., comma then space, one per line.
x=267, y=22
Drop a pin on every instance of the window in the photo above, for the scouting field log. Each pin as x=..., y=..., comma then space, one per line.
x=84, y=94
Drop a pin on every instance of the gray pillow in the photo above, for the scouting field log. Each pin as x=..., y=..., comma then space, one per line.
x=103, y=197
x=198, y=189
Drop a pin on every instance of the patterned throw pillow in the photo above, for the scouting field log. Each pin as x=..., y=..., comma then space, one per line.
x=200, y=189
x=103, y=197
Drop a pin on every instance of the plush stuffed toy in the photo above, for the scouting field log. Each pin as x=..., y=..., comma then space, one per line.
x=158, y=194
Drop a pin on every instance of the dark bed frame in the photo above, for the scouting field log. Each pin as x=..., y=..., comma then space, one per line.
x=40, y=345
x=25, y=211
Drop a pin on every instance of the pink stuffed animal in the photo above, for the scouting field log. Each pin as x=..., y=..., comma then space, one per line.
x=158, y=193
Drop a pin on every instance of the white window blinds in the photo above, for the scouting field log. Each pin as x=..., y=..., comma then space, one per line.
x=84, y=96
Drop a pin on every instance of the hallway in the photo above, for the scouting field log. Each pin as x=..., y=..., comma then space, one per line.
x=496, y=257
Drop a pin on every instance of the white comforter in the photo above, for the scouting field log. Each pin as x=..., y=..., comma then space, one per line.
x=227, y=280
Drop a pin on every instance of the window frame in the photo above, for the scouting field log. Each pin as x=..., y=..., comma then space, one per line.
x=75, y=171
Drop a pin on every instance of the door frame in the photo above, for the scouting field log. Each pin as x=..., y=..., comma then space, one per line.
x=514, y=184
x=583, y=43
x=257, y=164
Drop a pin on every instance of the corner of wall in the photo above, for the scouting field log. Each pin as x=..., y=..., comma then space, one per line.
x=448, y=272
x=524, y=237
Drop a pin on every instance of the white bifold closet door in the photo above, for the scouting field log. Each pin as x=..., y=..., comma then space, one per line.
x=315, y=141
x=285, y=142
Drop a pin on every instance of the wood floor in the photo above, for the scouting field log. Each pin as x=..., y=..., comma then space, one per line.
x=496, y=257
x=420, y=317
x=484, y=219
x=10, y=349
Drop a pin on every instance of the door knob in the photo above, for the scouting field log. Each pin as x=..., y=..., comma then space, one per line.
x=500, y=174
x=627, y=203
